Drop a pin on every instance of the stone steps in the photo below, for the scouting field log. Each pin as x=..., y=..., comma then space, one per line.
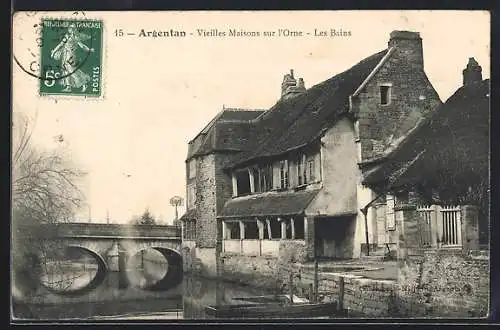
x=375, y=255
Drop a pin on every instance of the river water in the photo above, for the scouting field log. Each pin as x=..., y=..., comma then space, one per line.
x=112, y=300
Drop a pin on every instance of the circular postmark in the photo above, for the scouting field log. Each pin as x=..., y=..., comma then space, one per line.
x=59, y=52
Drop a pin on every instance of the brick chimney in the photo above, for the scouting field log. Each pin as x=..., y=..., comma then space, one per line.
x=472, y=73
x=290, y=86
x=410, y=45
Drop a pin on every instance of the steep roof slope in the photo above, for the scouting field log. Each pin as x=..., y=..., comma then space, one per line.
x=297, y=121
x=228, y=131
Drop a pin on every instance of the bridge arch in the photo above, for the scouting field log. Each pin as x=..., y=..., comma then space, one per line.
x=174, y=274
x=101, y=272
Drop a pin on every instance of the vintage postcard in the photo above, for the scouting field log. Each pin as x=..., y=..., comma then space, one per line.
x=211, y=165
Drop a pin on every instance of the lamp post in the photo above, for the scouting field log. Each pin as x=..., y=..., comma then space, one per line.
x=175, y=202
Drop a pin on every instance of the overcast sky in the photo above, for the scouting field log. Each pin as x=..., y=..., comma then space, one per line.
x=159, y=93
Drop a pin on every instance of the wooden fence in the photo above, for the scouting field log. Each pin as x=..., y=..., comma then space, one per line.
x=440, y=224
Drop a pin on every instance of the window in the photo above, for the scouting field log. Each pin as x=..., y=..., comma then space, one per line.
x=191, y=197
x=189, y=229
x=192, y=168
x=301, y=170
x=266, y=178
x=306, y=169
x=283, y=174
x=385, y=95
x=311, y=169
x=243, y=182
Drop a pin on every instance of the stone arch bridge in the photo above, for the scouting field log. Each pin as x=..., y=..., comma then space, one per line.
x=108, y=240
x=113, y=244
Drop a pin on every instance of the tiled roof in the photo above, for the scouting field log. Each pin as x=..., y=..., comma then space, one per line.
x=297, y=121
x=268, y=204
x=240, y=114
x=452, y=141
x=189, y=215
x=228, y=131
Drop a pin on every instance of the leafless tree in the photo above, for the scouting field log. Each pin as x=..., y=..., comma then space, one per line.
x=44, y=190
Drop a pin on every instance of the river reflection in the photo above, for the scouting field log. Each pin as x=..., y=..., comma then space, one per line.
x=64, y=277
x=112, y=300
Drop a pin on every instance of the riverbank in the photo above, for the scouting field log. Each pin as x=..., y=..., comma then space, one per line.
x=435, y=283
x=348, y=282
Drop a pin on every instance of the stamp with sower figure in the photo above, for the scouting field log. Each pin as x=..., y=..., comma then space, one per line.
x=71, y=57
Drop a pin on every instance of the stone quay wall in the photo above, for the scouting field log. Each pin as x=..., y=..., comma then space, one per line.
x=442, y=284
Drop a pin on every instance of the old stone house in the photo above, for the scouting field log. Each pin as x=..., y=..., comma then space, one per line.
x=290, y=179
x=444, y=165
x=438, y=180
x=208, y=187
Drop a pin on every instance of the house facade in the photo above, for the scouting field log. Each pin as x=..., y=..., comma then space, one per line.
x=290, y=178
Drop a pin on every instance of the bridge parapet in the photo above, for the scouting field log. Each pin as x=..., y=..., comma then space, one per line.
x=103, y=230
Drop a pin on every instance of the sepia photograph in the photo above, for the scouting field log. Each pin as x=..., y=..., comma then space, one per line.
x=239, y=165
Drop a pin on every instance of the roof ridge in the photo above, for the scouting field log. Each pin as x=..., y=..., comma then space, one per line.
x=243, y=109
x=234, y=121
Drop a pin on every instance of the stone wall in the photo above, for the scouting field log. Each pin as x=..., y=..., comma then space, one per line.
x=444, y=282
x=368, y=298
x=198, y=261
x=206, y=226
x=188, y=253
x=266, y=271
x=292, y=251
x=411, y=98
x=257, y=271
x=362, y=297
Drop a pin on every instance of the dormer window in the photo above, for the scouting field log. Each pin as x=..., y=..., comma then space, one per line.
x=283, y=174
x=311, y=168
x=301, y=169
x=266, y=177
x=385, y=94
x=306, y=169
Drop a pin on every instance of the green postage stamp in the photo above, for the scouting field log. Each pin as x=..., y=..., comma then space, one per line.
x=71, y=57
